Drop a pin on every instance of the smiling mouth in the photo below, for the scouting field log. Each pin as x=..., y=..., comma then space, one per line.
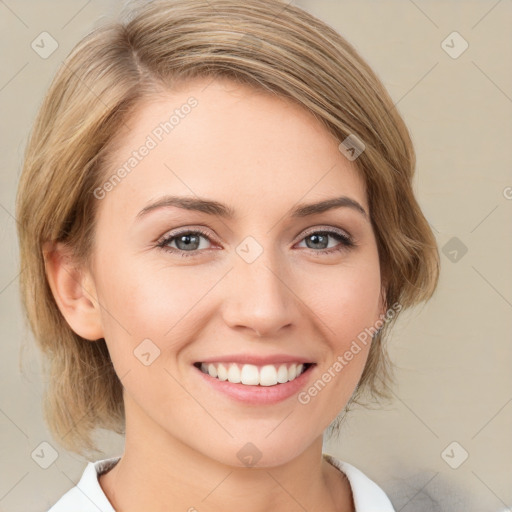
x=252, y=375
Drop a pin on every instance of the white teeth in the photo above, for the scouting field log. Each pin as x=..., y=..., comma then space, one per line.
x=234, y=374
x=212, y=370
x=282, y=374
x=268, y=375
x=252, y=375
x=222, y=373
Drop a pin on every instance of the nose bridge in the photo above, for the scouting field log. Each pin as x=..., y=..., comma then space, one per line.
x=259, y=296
x=261, y=268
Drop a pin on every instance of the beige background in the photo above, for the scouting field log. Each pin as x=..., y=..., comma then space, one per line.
x=453, y=355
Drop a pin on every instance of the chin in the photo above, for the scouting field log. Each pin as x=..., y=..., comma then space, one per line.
x=260, y=451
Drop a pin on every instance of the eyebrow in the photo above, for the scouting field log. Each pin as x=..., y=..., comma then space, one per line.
x=218, y=209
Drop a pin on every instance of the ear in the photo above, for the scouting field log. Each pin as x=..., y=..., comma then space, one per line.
x=74, y=291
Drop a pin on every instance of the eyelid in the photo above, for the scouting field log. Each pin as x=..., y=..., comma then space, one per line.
x=185, y=229
x=329, y=229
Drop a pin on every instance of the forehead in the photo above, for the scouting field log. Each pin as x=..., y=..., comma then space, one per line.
x=230, y=142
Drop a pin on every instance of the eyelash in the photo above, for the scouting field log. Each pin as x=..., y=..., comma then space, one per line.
x=346, y=242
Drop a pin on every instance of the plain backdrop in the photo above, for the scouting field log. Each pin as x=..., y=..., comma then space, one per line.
x=445, y=442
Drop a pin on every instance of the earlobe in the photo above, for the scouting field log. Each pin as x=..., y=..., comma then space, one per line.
x=74, y=291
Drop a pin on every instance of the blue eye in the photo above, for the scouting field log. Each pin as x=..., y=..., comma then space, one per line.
x=322, y=237
x=189, y=241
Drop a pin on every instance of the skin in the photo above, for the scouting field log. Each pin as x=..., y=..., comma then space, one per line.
x=260, y=155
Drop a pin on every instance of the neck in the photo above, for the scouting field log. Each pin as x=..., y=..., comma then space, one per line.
x=158, y=472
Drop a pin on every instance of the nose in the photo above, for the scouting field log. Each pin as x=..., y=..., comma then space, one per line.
x=260, y=297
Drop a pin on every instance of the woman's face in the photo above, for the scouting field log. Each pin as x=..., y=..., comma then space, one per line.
x=253, y=294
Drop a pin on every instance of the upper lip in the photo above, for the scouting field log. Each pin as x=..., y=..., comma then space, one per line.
x=256, y=360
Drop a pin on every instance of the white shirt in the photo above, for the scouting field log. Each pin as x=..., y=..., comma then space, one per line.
x=88, y=496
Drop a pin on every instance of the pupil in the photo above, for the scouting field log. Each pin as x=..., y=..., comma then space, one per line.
x=318, y=239
x=186, y=239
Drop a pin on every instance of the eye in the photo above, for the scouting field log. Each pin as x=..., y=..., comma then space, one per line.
x=320, y=240
x=186, y=241
x=189, y=241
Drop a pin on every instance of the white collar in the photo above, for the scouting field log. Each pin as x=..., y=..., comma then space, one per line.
x=367, y=495
x=88, y=496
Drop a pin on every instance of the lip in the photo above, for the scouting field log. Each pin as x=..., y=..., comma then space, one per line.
x=256, y=360
x=257, y=395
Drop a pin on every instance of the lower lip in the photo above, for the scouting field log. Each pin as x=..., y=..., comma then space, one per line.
x=258, y=395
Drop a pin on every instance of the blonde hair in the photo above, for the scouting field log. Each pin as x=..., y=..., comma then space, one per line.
x=264, y=43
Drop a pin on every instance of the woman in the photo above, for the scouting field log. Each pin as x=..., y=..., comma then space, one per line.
x=225, y=232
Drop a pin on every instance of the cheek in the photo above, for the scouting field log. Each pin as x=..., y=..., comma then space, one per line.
x=146, y=300
x=347, y=300
x=347, y=303
x=144, y=320
x=137, y=294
